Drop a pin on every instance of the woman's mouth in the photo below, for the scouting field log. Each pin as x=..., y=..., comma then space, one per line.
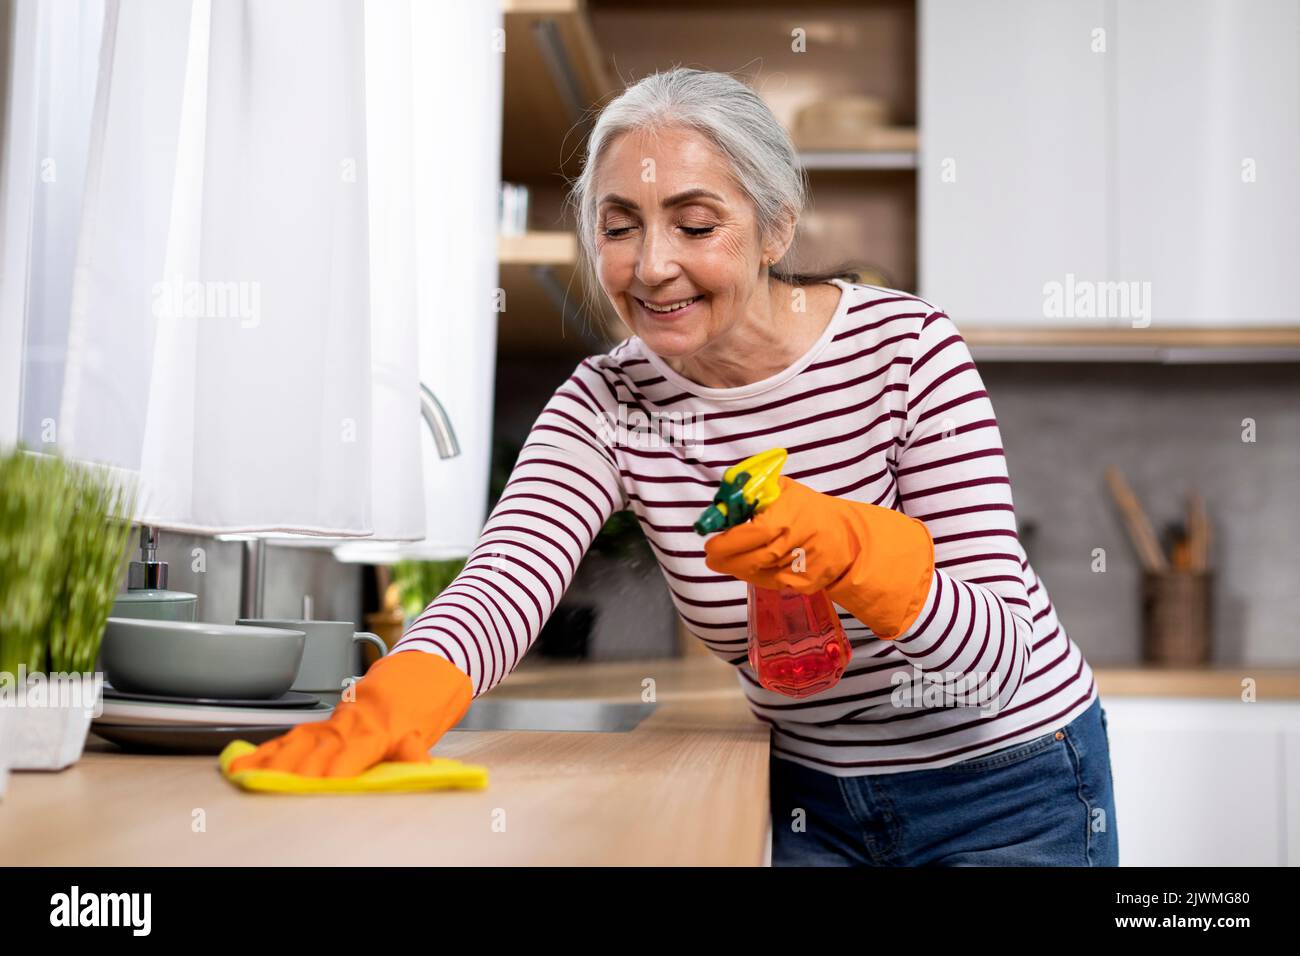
x=668, y=309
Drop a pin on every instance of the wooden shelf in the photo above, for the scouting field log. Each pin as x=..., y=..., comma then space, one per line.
x=848, y=159
x=1190, y=336
x=544, y=311
x=539, y=248
x=554, y=74
x=1271, y=683
x=1164, y=345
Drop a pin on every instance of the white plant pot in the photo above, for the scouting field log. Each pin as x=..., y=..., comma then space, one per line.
x=48, y=737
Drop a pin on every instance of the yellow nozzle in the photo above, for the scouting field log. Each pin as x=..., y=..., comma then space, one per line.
x=736, y=503
x=764, y=469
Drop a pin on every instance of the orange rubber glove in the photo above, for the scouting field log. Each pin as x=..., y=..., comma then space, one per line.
x=874, y=562
x=405, y=702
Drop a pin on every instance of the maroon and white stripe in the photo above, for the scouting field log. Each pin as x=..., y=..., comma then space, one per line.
x=887, y=408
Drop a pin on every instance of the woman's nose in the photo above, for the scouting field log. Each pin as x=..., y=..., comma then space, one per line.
x=656, y=260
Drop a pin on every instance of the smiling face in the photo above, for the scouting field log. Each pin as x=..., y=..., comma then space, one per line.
x=678, y=250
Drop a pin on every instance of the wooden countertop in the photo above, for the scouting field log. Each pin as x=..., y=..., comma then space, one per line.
x=1217, y=681
x=688, y=786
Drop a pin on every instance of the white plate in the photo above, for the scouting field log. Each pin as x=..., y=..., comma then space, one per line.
x=151, y=712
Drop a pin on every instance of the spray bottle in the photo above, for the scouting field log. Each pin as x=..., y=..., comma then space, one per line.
x=796, y=644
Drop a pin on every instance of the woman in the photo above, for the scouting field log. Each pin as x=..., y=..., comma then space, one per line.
x=967, y=728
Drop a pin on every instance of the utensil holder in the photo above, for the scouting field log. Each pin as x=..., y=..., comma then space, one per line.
x=1176, y=618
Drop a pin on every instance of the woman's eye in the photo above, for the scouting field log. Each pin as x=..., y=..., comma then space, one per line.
x=620, y=231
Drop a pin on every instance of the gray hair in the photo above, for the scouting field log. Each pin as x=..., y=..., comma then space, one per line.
x=763, y=160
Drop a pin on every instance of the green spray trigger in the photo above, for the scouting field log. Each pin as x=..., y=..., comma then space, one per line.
x=747, y=488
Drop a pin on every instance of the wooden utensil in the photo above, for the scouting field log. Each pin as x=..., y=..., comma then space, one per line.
x=1198, y=532
x=1135, y=519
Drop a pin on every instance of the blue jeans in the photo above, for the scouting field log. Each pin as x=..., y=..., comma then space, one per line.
x=1046, y=802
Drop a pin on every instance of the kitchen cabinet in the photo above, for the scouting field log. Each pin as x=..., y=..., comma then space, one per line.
x=1291, y=781
x=1142, y=149
x=1205, y=782
x=1013, y=155
x=1207, y=147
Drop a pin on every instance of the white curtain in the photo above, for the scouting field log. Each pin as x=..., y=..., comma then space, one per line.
x=55, y=52
x=439, y=82
x=286, y=221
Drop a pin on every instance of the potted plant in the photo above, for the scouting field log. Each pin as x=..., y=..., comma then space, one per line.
x=419, y=582
x=63, y=534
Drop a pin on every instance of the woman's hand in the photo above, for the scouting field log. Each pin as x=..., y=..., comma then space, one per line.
x=403, y=705
x=797, y=542
x=875, y=562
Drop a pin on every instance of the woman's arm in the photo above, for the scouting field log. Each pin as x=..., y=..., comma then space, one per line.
x=952, y=475
x=564, y=486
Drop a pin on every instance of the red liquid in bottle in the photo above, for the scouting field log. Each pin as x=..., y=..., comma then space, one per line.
x=796, y=644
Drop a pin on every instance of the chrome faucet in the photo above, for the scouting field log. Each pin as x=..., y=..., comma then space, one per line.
x=435, y=417
x=252, y=578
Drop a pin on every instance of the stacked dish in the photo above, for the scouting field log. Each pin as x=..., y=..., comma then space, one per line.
x=187, y=687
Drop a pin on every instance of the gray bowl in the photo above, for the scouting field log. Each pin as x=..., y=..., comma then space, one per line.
x=188, y=659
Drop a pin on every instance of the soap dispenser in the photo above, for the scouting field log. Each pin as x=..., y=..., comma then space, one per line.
x=147, y=595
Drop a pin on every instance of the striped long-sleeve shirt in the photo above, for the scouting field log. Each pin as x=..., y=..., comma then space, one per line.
x=887, y=407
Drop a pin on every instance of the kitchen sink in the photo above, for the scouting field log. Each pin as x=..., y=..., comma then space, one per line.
x=554, y=715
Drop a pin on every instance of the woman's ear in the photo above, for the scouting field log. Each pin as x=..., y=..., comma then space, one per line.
x=782, y=237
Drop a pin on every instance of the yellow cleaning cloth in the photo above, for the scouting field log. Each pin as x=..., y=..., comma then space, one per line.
x=435, y=774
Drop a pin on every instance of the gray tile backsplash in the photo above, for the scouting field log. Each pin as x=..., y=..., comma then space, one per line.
x=1168, y=428
x=290, y=573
